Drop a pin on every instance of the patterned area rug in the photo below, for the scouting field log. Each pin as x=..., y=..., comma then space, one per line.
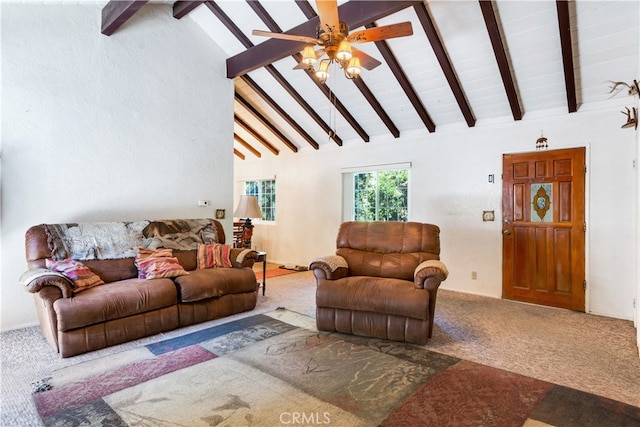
x=276, y=369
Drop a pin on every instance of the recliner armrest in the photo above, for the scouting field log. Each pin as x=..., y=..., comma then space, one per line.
x=331, y=267
x=429, y=274
x=241, y=257
x=36, y=279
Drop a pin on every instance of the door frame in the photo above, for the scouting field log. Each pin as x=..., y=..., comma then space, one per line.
x=587, y=205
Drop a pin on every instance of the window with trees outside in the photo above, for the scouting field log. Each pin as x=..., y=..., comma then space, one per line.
x=377, y=195
x=266, y=191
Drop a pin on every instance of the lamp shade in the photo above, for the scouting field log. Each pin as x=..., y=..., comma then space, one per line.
x=248, y=207
x=344, y=51
x=309, y=55
x=354, y=66
x=323, y=71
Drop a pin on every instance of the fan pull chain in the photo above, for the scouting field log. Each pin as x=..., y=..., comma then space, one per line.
x=332, y=107
x=332, y=119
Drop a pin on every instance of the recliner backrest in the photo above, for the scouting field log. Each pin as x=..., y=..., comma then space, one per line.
x=387, y=249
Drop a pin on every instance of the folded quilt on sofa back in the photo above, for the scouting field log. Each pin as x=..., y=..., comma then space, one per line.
x=117, y=240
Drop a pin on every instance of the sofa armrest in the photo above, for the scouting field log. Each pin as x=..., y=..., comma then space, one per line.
x=429, y=274
x=331, y=267
x=36, y=279
x=241, y=257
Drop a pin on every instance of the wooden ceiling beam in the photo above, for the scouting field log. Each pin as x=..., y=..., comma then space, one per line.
x=117, y=12
x=564, y=26
x=265, y=122
x=238, y=154
x=377, y=107
x=354, y=14
x=445, y=63
x=246, y=145
x=182, y=8
x=493, y=29
x=273, y=104
x=262, y=140
x=331, y=96
x=233, y=28
x=404, y=82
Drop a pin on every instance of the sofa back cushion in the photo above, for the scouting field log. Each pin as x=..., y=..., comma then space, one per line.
x=387, y=249
x=39, y=247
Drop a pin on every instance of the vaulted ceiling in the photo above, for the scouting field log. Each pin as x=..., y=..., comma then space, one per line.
x=467, y=62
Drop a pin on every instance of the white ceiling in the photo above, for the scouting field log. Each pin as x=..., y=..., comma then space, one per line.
x=605, y=38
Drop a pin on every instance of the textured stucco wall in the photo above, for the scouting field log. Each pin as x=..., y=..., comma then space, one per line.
x=138, y=125
x=448, y=187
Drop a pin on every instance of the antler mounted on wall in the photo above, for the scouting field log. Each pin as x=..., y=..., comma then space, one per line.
x=632, y=118
x=633, y=89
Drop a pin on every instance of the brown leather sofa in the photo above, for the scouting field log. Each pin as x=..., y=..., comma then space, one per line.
x=126, y=308
x=382, y=282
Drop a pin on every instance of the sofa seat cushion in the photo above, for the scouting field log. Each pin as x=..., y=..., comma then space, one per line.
x=215, y=282
x=374, y=294
x=114, y=301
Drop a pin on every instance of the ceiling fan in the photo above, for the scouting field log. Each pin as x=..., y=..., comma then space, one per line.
x=334, y=41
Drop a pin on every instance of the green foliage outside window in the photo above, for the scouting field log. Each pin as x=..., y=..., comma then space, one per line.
x=266, y=192
x=381, y=195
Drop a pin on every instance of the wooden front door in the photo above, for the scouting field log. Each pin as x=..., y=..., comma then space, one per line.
x=543, y=250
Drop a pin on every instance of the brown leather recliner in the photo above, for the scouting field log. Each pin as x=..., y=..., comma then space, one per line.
x=382, y=282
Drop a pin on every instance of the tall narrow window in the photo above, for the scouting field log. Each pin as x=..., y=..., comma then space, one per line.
x=377, y=195
x=266, y=191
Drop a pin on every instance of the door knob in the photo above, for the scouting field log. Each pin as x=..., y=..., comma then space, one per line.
x=506, y=232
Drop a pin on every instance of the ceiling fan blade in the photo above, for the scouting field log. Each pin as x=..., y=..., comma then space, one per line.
x=375, y=34
x=367, y=61
x=301, y=66
x=328, y=13
x=293, y=37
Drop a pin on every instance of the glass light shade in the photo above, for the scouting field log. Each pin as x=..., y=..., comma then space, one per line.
x=344, y=51
x=323, y=71
x=309, y=55
x=354, y=66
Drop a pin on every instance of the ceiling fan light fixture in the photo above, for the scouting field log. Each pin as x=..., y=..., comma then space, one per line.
x=353, y=69
x=309, y=56
x=323, y=71
x=335, y=41
x=344, y=51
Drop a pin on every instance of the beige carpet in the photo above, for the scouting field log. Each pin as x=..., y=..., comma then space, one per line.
x=590, y=353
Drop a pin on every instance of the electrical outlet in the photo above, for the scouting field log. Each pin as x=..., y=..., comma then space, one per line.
x=203, y=203
x=474, y=275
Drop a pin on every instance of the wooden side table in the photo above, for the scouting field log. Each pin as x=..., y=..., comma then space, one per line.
x=262, y=257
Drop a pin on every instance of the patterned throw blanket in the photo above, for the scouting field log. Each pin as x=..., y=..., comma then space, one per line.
x=115, y=240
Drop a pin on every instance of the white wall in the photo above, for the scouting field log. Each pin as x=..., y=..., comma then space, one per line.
x=637, y=300
x=94, y=128
x=448, y=187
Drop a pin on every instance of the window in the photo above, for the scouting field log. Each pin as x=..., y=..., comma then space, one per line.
x=266, y=192
x=377, y=195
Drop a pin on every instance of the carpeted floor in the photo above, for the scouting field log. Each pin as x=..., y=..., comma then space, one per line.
x=269, y=369
x=590, y=353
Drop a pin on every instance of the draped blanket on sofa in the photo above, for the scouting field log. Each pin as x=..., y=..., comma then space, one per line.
x=116, y=240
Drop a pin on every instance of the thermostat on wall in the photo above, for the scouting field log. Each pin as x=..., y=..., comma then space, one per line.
x=488, y=216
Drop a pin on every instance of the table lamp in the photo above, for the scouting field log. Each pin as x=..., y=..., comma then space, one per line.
x=248, y=208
